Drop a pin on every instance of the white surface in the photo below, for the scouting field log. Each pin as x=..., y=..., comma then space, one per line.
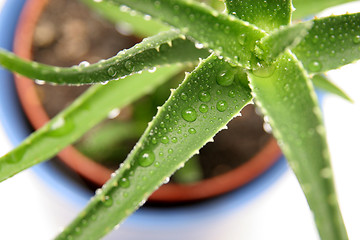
x=30, y=210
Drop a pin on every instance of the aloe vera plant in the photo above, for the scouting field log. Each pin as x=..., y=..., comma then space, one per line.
x=250, y=52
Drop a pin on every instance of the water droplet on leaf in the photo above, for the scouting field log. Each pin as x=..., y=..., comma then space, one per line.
x=183, y=96
x=60, y=127
x=124, y=182
x=203, y=108
x=226, y=77
x=192, y=130
x=264, y=71
x=84, y=64
x=315, y=66
x=146, y=158
x=189, y=114
x=129, y=66
x=221, y=106
x=164, y=139
x=356, y=39
x=204, y=96
x=112, y=72
x=107, y=201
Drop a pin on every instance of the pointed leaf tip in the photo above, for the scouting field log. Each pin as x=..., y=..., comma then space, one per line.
x=271, y=46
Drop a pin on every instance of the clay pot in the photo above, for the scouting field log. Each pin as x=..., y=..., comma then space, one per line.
x=97, y=173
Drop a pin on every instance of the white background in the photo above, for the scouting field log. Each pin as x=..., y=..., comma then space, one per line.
x=29, y=209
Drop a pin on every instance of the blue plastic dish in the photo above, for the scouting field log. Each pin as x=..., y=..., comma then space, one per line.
x=17, y=128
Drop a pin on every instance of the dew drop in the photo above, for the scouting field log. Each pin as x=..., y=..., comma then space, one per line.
x=124, y=182
x=199, y=45
x=152, y=69
x=16, y=156
x=165, y=140
x=332, y=38
x=242, y=39
x=146, y=158
x=166, y=180
x=226, y=77
x=267, y=127
x=111, y=71
x=39, y=82
x=98, y=191
x=264, y=71
x=84, y=64
x=203, y=108
x=315, y=39
x=221, y=106
x=147, y=17
x=60, y=127
x=174, y=139
x=315, y=66
x=356, y=39
x=192, y=130
x=183, y=96
x=114, y=113
x=124, y=29
x=129, y=66
x=107, y=201
x=189, y=114
x=153, y=140
x=204, y=96
x=170, y=151
x=231, y=93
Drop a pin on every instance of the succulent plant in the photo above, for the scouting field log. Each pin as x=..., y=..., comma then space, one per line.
x=249, y=51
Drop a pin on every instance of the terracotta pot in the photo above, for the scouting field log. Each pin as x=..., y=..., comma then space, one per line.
x=97, y=173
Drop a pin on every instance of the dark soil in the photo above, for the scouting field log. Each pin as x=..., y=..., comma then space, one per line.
x=67, y=34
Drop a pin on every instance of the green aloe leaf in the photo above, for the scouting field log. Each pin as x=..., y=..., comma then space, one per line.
x=88, y=110
x=286, y=96
x=267, y=15
x=331, y=43
x=271, y=46
x=203, y=104
x=226, y=35
x=163, y=49
x=99, y=143
x=322, y=82
x=127, y=22
x=306, y=8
